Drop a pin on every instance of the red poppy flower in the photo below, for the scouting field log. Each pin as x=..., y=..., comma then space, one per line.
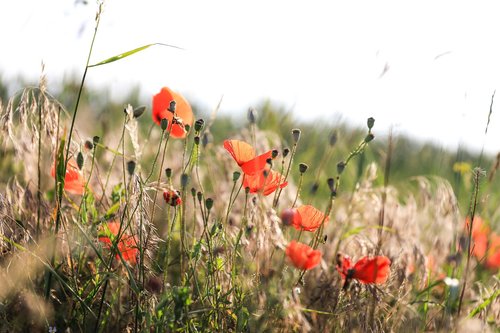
x=127, y=245
x=308, y=218
x=303, y=256
x=480, y=233
x=172, y=197
x=244, y=155
x=267, y=184
x=183, y=113
x=486, y=244
x=365, y=270
x=73, y=181
x=493, y=257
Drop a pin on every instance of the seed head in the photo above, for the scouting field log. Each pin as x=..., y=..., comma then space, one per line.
x=79, y=160
x=199, y=124
x=370, y=122
x=171, y=107
x=340, y=167
x=131, y=167
x=303, y=167
x=296, y=134
x=164, y=123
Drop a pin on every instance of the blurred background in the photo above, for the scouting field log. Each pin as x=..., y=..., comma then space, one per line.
x=426, y=70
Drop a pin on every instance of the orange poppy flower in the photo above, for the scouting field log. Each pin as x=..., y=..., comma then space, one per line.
x=73, y=181
x=308, y=218
x=127, y=245
x=486, y=244
x=183, y=113
x=302, y=256
x=480, y=233
x=172, y=197
x=244, y=155
x=493, y=257
x=366, y=270
x=267, y=184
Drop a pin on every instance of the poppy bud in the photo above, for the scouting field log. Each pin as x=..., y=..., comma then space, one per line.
x=286, y=151
x=79, y=160
x=168, y=172
x=314, y=188
x=274, y=153
x=369, y=137
x=164, y=123
x=296, y=134
x=252, y=115
x=269, y=161
x=197, y=140
x=138, y=111
x=89, y=145
x=236, y=175
x=303, y=167
x=130, y=167
x=184, y=180
x=340, y=167
x=199, y=124
x=370, y=122
x=331, y=184
x=209, y=203
x=171, y=107
x=287, y=216
x=193, y=192
x=199, y=195
x=187, y=128
x=172, y=197
x=95, y=140
x=333, y=139
x=247, y=190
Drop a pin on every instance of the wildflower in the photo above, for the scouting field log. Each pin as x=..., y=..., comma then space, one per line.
x=308, y=218
x=244, y=155
x=366, y=270
x=266, y=181
x=493, y=255
x=303, y=256
x=127, y=245
x=73, y=181
x=486, y=243
x=480, y=233
x=177, y=120
x=172, y=197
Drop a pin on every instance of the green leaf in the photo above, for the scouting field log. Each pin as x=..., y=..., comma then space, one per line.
x=483, y=305
x=112, y=210
x=129, y=53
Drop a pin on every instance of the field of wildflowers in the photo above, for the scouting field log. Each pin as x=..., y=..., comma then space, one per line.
x=160, y=223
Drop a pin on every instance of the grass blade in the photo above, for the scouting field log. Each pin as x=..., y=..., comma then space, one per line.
x=129, y=53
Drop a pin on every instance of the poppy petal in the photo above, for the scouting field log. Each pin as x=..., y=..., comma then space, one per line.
x=259, y=182
x=309, y=218
x=256, y=164
x=372, y=270
x=183, y=112
x=240, y=151
x=73, y=180
x=302, y=256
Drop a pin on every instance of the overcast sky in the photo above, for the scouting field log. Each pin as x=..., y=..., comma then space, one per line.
x=425, y=68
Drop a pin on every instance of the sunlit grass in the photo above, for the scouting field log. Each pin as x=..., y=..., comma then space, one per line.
x=163, y=219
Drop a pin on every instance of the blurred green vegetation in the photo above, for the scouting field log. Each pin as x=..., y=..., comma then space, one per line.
x=410, y=158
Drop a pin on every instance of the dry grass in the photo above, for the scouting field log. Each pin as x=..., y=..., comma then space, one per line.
x=232, y=274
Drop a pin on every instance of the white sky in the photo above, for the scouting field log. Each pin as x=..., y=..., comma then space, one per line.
x=321, y=58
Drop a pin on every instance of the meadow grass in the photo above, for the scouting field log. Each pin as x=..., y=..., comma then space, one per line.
x=128, y=225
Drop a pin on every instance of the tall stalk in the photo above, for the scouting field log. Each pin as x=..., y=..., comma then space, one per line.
x=66, y=155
